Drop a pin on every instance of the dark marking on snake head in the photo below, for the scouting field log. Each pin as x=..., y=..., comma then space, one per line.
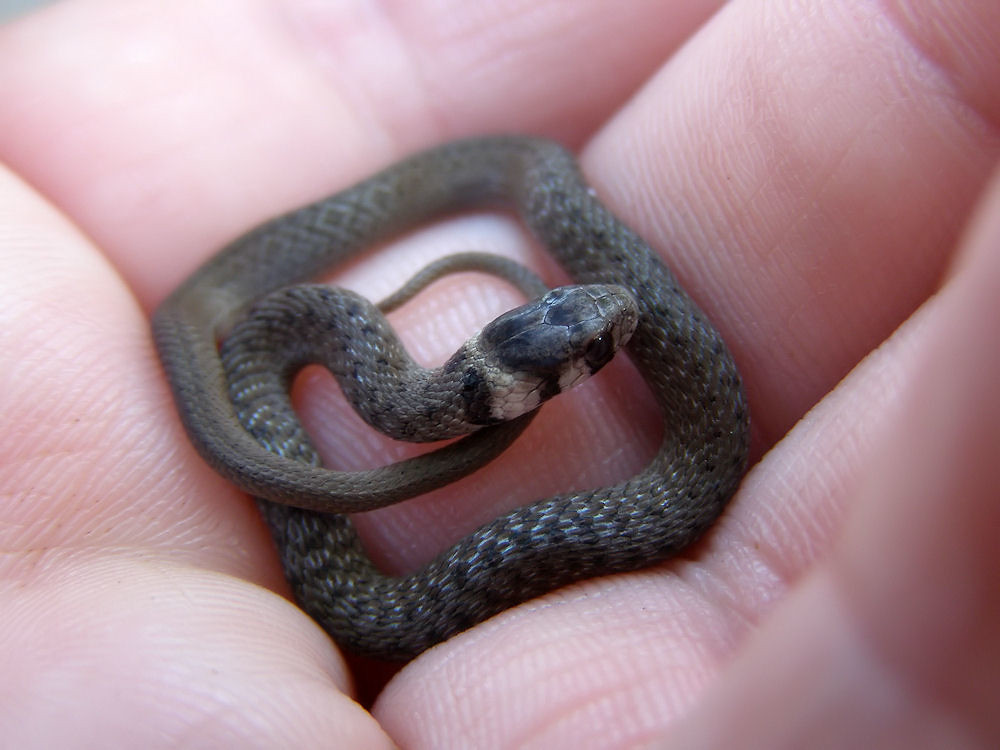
x=477, y=395
x=471, y=380
x=540, y=351
x=475, y=391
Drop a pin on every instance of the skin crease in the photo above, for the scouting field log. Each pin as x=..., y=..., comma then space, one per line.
x=813, y=176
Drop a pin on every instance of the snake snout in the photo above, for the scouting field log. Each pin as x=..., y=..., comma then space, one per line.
x=606, y=317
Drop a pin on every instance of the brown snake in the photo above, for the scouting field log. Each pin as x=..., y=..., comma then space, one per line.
x=532, y=549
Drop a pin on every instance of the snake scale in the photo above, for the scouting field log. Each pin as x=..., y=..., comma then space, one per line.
x=532, y=549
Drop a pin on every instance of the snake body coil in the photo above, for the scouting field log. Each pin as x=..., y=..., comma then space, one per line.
x=533, y=549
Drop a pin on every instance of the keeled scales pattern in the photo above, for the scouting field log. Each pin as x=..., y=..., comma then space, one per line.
x=533, y=549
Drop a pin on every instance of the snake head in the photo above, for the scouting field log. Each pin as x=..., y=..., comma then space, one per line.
x=545, y=347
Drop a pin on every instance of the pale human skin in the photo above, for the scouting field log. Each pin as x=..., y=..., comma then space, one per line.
x=813, y=175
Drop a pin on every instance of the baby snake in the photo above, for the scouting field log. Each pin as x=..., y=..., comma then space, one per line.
x=532, y=549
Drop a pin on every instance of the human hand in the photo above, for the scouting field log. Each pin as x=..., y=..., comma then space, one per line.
x=809, y=177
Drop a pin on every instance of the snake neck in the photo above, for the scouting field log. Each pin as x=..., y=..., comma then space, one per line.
x=346, y=334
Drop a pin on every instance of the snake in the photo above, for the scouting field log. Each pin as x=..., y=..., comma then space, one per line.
x=261, y=289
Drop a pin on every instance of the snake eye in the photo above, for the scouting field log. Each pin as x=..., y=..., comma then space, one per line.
x=599, y=352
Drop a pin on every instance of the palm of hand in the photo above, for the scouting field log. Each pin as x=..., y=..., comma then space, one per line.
x=796, y=204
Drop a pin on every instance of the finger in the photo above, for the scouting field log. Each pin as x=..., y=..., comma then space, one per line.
x=133, y=607
x=808, y=243
x=650, y=641
x=220, y=116
x=811, y=184
x=899, y=631
x=148, y=165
